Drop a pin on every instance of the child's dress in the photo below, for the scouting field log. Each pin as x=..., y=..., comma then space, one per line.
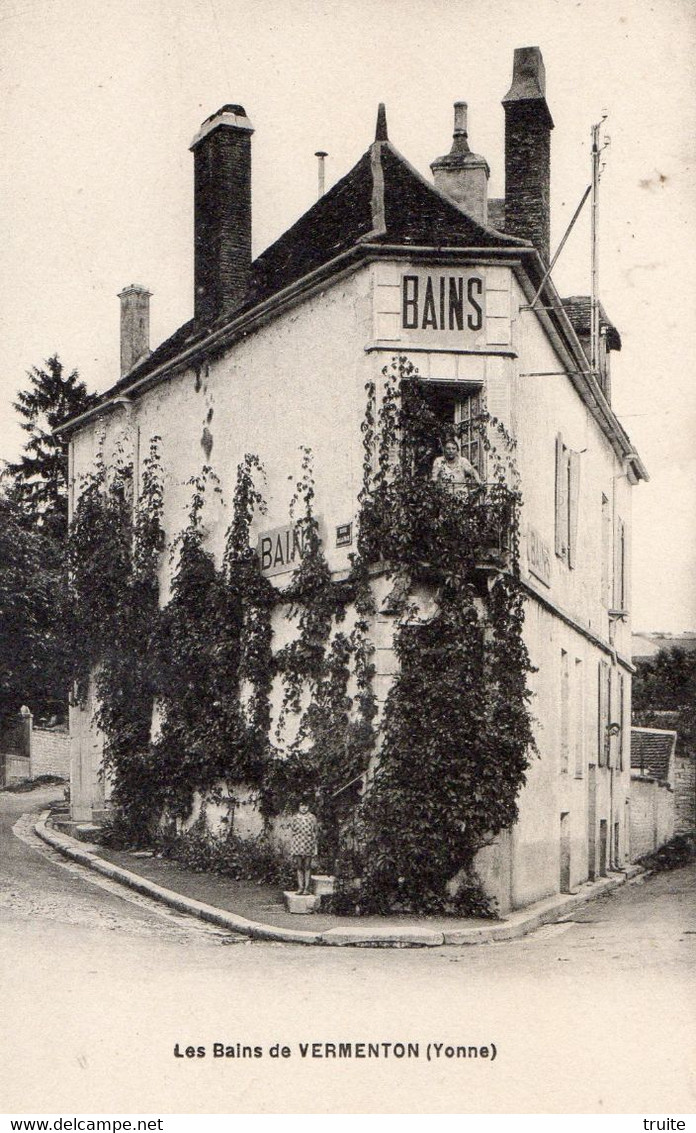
x=304, y=835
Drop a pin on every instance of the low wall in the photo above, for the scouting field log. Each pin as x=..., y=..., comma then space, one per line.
x=685, y=795
x=50, y=752
x=652, y=815
x=16, y=768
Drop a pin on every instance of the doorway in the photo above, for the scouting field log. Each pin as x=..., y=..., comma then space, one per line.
x=603, y=833
x=592, y=822
x=565, y=852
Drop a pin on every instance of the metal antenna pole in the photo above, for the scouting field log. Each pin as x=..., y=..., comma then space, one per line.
x=594, y=262
x=561, y=246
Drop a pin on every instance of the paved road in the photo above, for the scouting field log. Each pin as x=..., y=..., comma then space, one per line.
x=592, y=1015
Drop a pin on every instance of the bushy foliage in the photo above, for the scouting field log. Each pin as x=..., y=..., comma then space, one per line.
x=34, y=659
x=113, y=555
x=335, y=735
x=190, y=658
x=241, y=859
x=664, y=694
x=34, y=654
x=456, y=732
x=679, y=851
x=213, y=635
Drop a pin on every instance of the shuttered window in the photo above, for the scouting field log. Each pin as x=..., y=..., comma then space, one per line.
x=606, y=551
x=567, y=502
x=620, y=581
x=579, y=719
x=603, y=708
x=565, y=711
x=621, y=721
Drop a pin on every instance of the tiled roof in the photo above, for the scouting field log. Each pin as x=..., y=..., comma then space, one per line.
x=382, y=199
x=337, y=221
x=417, y=213
x=578, y=308
x=651, y=751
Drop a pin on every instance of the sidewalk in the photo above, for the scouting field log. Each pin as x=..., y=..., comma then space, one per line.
x=257, y=911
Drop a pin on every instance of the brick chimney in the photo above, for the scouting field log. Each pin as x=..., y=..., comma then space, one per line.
x=135, y=326
x=528, y=126
x=222, y=212
x=461, y=174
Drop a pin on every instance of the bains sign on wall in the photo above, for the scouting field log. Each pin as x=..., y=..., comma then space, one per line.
x=457, y=308
x=442, y=301
x=281, y=548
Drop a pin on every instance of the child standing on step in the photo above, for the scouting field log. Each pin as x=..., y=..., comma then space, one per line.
x=304, y=844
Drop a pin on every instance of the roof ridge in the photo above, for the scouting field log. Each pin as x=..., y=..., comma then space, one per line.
x=377, y=205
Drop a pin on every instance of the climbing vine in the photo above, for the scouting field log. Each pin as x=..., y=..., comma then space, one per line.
x=326, y=679
x=445, y=759
x=113, y=554
x=456, y=731
x=312, y=601
x=214, y=635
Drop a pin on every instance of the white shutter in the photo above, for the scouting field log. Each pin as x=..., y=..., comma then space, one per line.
x=561, y=506
x=573, y=501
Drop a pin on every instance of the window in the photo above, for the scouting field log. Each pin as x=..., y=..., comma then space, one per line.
x=622, y=720
x=461, y=410
x=467, y=421
x=579, y=721
x=567, y=497
x=620, y=581
x=603, y=709
x=565, y=711
x=606, y=552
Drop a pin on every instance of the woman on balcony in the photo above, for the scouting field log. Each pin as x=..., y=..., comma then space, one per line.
x=453, y=470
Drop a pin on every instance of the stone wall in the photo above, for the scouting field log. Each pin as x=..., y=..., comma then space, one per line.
x=50, y=752
x=652, y=815
x=16, y=768
x=685, y=794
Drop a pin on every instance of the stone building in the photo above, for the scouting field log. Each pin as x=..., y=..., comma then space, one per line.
x=277, y=356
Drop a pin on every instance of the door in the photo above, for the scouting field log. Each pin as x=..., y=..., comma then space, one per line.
x=602, y=847
x=592, y=822
x=565, y=852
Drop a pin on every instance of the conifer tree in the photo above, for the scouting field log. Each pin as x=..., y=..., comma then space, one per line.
x=33, y=651
x=40, y=478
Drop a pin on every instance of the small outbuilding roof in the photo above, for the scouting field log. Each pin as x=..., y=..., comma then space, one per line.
x=579, y=308
x=651, y=751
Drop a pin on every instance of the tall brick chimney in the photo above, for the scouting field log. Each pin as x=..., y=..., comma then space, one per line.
x=528, y=126
x=135, y=326
x=222, y=212
x=461, y=174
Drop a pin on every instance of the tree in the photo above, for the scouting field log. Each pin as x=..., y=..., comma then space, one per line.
x=33, y=658
x=664, y=694
x=40, y=477
x=33, y=529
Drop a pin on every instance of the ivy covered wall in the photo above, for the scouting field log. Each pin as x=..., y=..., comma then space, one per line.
x=408, y=785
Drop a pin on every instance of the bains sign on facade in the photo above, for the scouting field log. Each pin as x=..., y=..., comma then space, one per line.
x=390, y=273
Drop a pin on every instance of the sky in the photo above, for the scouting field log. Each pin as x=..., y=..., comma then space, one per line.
x=101, y=99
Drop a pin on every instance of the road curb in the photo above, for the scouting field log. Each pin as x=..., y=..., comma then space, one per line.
x=383, y=936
